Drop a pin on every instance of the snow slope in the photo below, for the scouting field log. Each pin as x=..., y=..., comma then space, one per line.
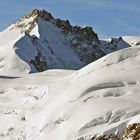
x=101, y=98
x=10, y=63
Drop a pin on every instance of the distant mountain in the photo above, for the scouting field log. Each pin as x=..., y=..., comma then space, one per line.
x=113, y=44
x=38, y=42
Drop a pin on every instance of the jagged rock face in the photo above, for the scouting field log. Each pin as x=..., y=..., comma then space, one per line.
x=40, y=13
x=64, y=25
x=85, y=33
x=39, y=62
x=35, y=14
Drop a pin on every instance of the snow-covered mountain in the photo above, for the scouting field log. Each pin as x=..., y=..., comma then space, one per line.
x=38, y=41
x=100, y=99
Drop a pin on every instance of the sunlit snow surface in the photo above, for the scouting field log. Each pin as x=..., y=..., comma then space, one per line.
x=103, y=97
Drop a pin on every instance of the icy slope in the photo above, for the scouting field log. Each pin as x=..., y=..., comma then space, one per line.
x=38, y=41
x=101, y=98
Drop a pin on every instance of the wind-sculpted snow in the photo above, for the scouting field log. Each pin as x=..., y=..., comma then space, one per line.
x=99, y=99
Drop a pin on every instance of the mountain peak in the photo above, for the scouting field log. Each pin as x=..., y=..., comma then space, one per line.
x=28, y=22
x=53, y=42
x=40, y=13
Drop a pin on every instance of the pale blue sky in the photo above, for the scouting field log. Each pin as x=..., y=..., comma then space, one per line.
x=107, y=17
